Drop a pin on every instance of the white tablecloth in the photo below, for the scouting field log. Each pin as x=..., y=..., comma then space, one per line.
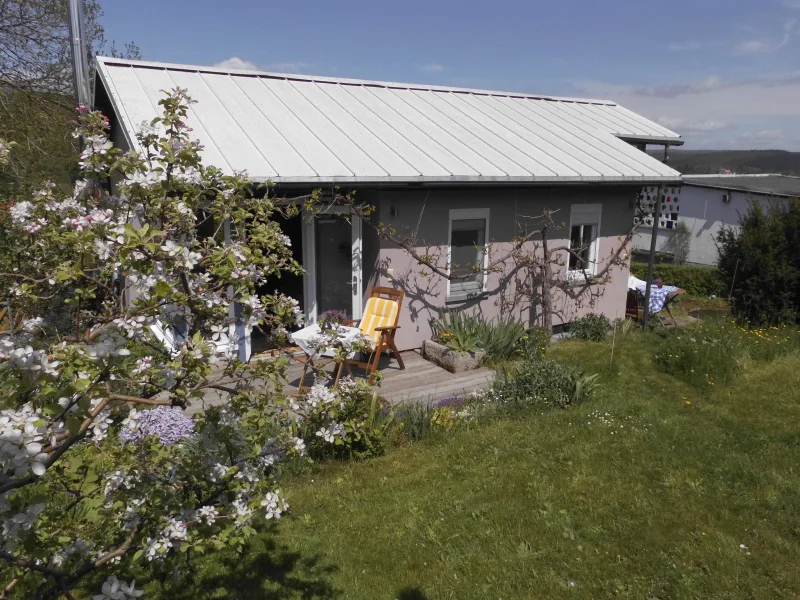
x=306, y=337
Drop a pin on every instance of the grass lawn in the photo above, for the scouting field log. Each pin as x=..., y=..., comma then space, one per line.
x=652, y=490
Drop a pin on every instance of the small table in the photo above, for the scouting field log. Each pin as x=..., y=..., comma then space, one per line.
x=308, y=339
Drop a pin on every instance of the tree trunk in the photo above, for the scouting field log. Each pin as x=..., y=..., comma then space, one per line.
x=547, y=301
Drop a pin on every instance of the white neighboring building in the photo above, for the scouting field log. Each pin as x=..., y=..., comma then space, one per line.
x=706, y=204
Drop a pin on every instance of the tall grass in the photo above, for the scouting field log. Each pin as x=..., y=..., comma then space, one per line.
x=713, y=353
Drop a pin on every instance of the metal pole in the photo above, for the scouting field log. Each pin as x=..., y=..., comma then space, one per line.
x=80, y=65
x=651, y=260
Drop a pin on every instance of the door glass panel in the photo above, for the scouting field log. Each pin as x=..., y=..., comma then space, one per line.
x=334, y=250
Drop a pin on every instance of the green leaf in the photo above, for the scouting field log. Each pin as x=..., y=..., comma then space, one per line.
x=73, y=424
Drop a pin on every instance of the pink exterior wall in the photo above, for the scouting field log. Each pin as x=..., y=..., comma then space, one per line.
x=427, y=212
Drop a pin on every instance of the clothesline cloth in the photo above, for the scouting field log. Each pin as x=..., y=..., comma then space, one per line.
x=658, y=295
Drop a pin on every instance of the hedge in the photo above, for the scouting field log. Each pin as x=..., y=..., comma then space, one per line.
x=695, y=279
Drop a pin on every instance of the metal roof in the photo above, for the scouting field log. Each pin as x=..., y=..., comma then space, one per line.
x=302, y=129
x=769, y=184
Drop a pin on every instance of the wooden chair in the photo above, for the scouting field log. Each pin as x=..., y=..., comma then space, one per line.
x=379, y=323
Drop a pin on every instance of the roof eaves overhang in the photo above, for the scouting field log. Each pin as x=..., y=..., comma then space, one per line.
x=650, y=139
x=460, y=180
x=113, y=96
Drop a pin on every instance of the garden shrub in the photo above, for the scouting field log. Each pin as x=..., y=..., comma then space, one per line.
x=592, y=327
x=549, y=383
x=350, y=422
x=760, y=265
x=697, y=280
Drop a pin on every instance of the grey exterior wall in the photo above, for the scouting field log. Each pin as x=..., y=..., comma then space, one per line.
x=705, y=214
x=425, y=212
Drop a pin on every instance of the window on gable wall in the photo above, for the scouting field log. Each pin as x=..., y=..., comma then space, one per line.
x=584, y=231
x=469, y=232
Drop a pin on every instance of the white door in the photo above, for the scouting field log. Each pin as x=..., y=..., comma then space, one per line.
x=332, y=257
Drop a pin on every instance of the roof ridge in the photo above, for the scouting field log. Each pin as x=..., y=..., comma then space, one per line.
x=107, y=60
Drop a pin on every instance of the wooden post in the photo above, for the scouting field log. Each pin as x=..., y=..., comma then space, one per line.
x=652, y=258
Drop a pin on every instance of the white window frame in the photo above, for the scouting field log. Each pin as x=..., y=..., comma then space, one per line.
x=585, y=214
x=463, y=214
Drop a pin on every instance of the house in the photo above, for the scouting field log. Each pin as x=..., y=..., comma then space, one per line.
x=452, y=169
x=705, y=204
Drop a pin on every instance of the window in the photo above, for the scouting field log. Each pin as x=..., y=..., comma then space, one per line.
x=584, y=229
x=469, y=232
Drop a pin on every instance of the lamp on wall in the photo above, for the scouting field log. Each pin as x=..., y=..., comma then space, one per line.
x=393, y=212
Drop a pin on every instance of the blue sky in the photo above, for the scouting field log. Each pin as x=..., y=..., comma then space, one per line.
x=724, y=73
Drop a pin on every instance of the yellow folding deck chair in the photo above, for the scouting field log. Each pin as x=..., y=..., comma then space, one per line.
x=379, y=323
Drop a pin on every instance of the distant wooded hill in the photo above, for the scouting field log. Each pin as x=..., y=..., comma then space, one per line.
x=737, y=161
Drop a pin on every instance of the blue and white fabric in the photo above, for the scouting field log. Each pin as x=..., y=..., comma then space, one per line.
x=658, y=295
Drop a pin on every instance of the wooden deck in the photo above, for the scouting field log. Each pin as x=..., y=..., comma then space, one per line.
x=420, y=381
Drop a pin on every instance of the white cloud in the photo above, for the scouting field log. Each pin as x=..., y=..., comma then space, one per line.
x=752, y=47
x=764, y=135
x=234, y=62
x=719, y=109
x=432, y=68
x=790, y=29
x=684, y=126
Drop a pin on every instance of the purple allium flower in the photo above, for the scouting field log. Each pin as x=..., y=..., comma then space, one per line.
x=167, y=423
x=450, y=401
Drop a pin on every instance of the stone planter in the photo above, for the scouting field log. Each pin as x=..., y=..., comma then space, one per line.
x=451, y=360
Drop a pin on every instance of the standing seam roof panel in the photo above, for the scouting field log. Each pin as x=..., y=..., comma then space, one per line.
x=282, y=157
x=299, y=128
x=609, y=120
x=315, y=154
x=371, y=145
x=600, y=121
x=432, y=129
x=156, y=82
x=349, y=154
x=125, y=84
x=623, y=150
x=505, y=141
x=582, y=150
x=233, y=140
x=439, y=110
x=604, y=145
x=620, y=122
x=383, y=129
x=656, y=127
x=508, y=134
x=543, y=145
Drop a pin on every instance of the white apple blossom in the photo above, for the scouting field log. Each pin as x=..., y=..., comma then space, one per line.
x=208, y=514
x=114, y=589
x=21, y=211
x=330, y=433
x=274, y=505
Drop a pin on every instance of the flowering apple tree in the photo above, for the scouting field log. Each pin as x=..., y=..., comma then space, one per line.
x=129, y=309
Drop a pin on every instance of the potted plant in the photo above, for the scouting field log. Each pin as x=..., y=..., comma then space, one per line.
x=456, y=344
